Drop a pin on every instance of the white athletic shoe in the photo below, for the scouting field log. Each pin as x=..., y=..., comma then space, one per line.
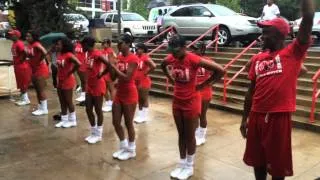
x=107, y=108
x=69, y=124
x=40, y=112
x=94, y=139
x=140, y=120
x=91, y=135
x=81, y=98
x=60, y=124
x=201, y=136
x=175, y=173
x=22, y=102
x=116, y=154
x=126, y=155
x=186, y=173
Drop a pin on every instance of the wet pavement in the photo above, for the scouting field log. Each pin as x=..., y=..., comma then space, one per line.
x=32, y=149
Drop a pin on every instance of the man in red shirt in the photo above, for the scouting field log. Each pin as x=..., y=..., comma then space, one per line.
x=22, y=69
x=271, y=97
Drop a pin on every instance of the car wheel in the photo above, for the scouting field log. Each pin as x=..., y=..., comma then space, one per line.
x=224, y=36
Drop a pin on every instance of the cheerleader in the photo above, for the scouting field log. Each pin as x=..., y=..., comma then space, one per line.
x=40, y=71
x=143, y=81
x=95, y=89
x=67, y=64
x=186, y=99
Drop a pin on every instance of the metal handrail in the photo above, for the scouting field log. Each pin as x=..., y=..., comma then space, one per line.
x=158, y=35
x=227, y=82
x=157, y=48
x=215, y=27
x=315, y=95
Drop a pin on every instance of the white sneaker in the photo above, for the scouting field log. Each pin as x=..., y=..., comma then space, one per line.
x=186, y=173
x=107, y=108
x=22, y=102
x=126, y=155
x=69, y=124
x=94, y=139
x=175, y=173
x=81, y=98
x=40, y=112
x=89, y=137
x=78, y=90
x=60, y=124
x=201, y=136
x=117, y=153
x=139, y=120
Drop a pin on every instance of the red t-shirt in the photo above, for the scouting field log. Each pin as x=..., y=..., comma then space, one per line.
x=65, y=66
x=185, y=75
x=203, y=74
x=94, y=66
x=122, y=65
x=142, y=66
x=78, y=50
x=17, y=50
x=276, y=77
x=35, y=55
x=108, y=51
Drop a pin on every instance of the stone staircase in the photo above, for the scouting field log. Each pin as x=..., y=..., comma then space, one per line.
x=237, y=89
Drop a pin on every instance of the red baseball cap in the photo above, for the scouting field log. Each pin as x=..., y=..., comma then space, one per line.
x=15, y=33
x=279, y=23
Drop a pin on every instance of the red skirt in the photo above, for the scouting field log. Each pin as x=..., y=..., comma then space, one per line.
x=23, y=75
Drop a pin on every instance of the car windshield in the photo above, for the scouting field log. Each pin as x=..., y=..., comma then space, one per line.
x=70, y=17
x=132, y=17
x=221, y=11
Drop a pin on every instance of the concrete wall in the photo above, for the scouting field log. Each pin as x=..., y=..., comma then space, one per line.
x=5, y=50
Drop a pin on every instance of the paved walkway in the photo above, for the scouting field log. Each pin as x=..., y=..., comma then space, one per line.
x=32, y=149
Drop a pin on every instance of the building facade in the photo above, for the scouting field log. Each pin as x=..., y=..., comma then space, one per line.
x=94, y=8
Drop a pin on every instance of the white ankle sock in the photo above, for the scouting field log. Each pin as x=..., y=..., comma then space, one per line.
x=145, y=111
x=72, y=116
x=99, y=131
x=124, y=144
x=64, y=118
x=132, y=146
x=44, y=105
x=25, y=96
x=109, y=103
x=190, y=159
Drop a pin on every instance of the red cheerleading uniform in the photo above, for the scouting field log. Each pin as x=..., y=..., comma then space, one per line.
x=66, y=80
x=186, y=98
x=143, y=80
x=22, y=69
x=202, y=76
x=38, y=65
x=78, y=50
x=107, y=52
x=274, y=99
x=127, y=92
x=95, y=86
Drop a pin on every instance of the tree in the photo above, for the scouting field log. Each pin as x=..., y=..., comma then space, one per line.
x=43, y=16
x=140, y=7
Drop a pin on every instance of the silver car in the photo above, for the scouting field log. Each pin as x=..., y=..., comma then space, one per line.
x=195, y=19
x=315, y=27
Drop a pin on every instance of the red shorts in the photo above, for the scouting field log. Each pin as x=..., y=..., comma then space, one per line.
x=23, y=76
x=96, y=87
x=42, y=70
x=206, y=93
x=269, y=143
x=191, y=107
x=67, y=83
x=130, y=96
x=83, y=67
x=144, y=83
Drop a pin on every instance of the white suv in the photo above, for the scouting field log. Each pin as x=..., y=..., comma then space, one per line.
x=131, y=23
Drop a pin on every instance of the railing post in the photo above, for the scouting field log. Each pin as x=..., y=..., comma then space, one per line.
x=225, y=79
x=217, y=38
x=313, y=101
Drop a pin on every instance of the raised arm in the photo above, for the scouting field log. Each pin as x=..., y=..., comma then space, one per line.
x=307, y=11
x=216, y=75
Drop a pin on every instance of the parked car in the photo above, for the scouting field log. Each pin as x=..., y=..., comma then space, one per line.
x=131, y=23
x=154, y=12
x=195, y=19
x=315, y=27
x=78, y=21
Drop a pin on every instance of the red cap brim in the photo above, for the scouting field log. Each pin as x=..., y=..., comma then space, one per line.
x=264, y=24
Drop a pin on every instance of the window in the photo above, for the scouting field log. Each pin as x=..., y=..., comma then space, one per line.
x=132, y=17
x=186, y=11
x=115, y=18
x=198, y=11
x=218, y=10
x=109, y=18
